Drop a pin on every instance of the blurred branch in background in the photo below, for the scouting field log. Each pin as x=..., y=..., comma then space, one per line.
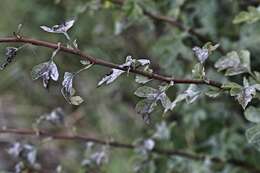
x=173, y=22
x=60, y=136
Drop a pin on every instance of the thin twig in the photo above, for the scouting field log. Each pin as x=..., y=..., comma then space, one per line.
x=73, y=137
x=104, y=63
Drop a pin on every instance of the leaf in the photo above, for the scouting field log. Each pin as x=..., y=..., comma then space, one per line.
x=128, y=62
x=230, y=85
x=10, y=53
x=111, y=77
x=244, y=56
x=162, y=131
x=252, y=114
x=250, y=16
x=76, y=100
x=143, y=61
x=165, y=101
x=253, y=136
x=246, y=95
x=61, y=28
x=230, y=60
x=45, y=71
x=67, y=89
x=85, y=62
x=192, y=93
x=142, y=79
x=198, y=72
x=146, y=91
x=234, y=63
x=212, y=92
x=201, y=53
x=149, y=144
x=145, y=106
x=55, y=117
x=179, y=98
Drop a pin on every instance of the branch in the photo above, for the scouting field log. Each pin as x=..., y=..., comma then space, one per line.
x=62, y=136
x=104, y=63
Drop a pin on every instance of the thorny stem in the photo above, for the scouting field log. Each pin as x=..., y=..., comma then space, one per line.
x=104, y=63
x=166, y=152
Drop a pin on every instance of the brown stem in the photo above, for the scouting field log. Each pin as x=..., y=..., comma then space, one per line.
x=104, y=63
x=62, y=136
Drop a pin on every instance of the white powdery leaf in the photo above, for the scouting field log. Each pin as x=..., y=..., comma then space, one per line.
x=61, y=28
x=166, y=102
x=111, y=77
x=142, y=79
x=31, y=156
x=99, y=157
x=15, y=149
x=67, y=84
x=231, y=60
x=149, y=144
x=144, y=61
x=56, y=116
x=246, y=95
x=19, y=167
x=162, y=131
x=45, y=71
x=30, y=153
x=54, y=71
x=128, y=62
x=192, y=93
x=234, y=63
x=201, y=53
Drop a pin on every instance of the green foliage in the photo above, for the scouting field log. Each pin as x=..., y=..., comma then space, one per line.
x=250, y=16
x=214, y=126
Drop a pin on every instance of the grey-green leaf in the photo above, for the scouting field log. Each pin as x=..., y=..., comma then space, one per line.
x=146, y=91
x=76, y=100
x=252, y=114
x=142, y=79
x=253, y=136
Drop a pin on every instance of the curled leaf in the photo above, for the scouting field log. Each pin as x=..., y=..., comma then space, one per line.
x=246, y=95
x=61, y=28
x=46, y=71
x=201, y=53
x=111, y=77
x=10, y=53
x=68, y=91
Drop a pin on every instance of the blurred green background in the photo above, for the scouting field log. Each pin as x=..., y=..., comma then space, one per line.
x=209, y=126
